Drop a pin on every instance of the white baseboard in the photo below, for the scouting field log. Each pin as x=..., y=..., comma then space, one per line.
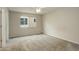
x=64, y=39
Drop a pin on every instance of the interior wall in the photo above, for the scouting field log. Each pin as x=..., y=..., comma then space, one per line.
x=16, y=30
x=63, y=23
x=0, y=25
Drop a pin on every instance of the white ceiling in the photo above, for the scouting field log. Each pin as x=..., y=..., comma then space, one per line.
x=32, y=10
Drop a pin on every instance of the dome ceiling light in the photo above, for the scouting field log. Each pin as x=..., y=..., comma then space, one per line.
x=38, y=10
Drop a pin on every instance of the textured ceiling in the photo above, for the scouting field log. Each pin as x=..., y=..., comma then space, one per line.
x=32, y=10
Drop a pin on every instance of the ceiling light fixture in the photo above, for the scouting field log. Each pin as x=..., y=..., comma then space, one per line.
x=38, y=10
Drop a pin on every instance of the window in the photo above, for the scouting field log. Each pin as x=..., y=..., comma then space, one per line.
x=24, y=21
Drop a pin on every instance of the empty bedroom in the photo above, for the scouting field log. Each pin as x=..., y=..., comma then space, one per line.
x=40, y=29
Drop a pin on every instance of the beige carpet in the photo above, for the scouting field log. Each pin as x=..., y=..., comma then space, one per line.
x=39, y=43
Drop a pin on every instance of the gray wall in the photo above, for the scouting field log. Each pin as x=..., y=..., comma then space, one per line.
x=0, y=25
x=63, y=23
x=16, y=30
x=0, y=28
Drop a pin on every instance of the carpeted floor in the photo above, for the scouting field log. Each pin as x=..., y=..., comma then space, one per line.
x=39, y=43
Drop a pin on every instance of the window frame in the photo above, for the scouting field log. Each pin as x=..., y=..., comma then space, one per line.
x=26, y=24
